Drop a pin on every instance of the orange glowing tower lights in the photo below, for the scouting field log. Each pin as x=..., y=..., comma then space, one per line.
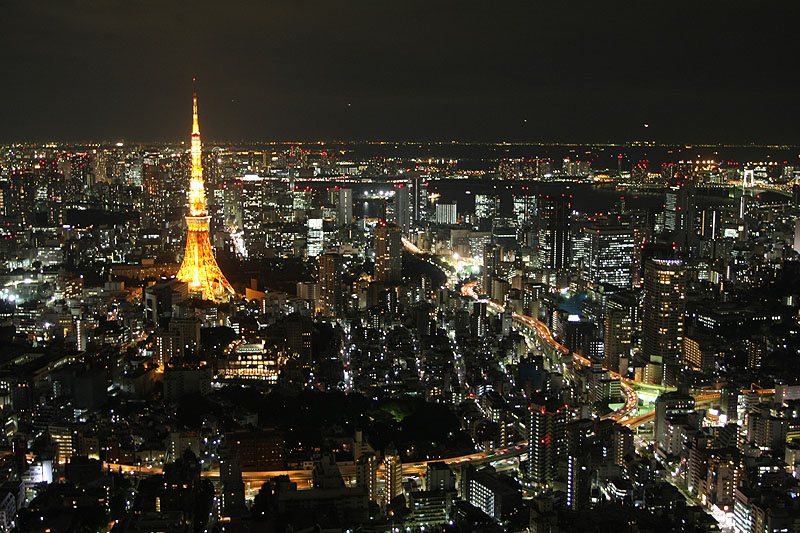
x=199, y=267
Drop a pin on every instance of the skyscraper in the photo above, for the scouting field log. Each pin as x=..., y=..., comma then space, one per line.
x=524, y=207
x=419, y=197
x=199, y=268
x=610, y=255
x=617, y=332
x=447, y=214
x=546, y=441
x=554, y=236
x=403, y=207
x=492, y=259
x=252, y=214
x=487, y=206
x=388, y=254
x=345, y=207
x=330, y=285
x=663, y=313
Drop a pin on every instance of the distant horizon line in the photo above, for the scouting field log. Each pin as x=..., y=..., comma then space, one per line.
x=623, y=144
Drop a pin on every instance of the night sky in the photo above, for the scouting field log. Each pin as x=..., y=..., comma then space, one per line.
x=404, y=70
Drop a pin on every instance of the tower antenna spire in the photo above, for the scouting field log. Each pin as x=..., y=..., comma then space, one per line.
x=195, y=120
x=199, y=267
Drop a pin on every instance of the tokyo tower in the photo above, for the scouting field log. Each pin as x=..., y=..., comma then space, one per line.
x=199, y=267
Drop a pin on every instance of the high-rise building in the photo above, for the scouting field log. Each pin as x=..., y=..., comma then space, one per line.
x=610, y=255
x=252, y=205
x=167, y=344
x=671, y=210
x=546, y=441
x=755, y=353
x=663, y=313
x=367, y=475
x=81, y=334
x=554, y=231
x=617, y=332
x=232, y=199
x=315, y=239
x=525, y=210
x=480, y=319
x=679, y=217
x=403, y=207
x=419, y=198
x=487, y=206
x=578, y=480
x=668, y=404
x=199, y=268
x=492, y=259
x=393, y=475
x=330, y=285
x=345, y=207
x=446, y=214
x=388, y=254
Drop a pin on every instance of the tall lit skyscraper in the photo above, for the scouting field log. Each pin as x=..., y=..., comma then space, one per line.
x=524, y=208
x=554, y=236
x=610, y=255
x=546, y=441
x=447, y=214
x=663, y=313
x=330, y=285
x=315, y=239
x=487, y=206
x=345, y=207
x=419, y=198
x=403, y=207
x=388, y=254
x=199, y=268
x=252, y=214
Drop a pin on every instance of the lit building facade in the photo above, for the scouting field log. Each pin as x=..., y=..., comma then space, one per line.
x=610, y=255
x=388, y=254
x=663, y=313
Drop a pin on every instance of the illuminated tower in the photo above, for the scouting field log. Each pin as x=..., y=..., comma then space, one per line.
x=199, y=268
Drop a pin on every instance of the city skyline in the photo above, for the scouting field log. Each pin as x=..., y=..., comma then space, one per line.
x=451, y=335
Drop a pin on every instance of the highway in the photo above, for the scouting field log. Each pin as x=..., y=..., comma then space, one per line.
x=303, y=478
x=543, y=332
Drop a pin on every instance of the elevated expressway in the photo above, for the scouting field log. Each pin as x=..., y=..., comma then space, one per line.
x=553, y=351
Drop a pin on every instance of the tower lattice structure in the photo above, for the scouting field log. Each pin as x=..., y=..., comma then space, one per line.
x=199, y=267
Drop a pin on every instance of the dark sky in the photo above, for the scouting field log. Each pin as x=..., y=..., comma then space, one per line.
x=403, y=70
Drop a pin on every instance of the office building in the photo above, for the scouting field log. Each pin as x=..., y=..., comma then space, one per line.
x=345, y=207
x=330, y=285
x=487, y=206
x=609, y=257
x=663, y=314
x=388, y=254
x=547, y=441
x=403, y=208
x=554, y=232
x=446, y=214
